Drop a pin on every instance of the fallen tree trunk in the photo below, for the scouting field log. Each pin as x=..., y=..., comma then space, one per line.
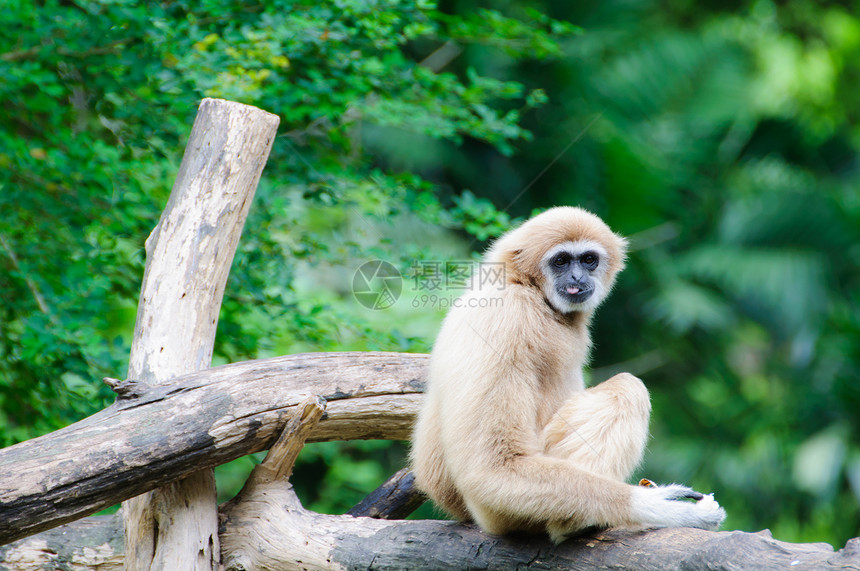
x=344, y=542
x=289, y=537
x=155, y=435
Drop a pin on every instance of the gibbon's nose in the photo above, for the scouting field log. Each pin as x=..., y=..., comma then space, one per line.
x=578, y=274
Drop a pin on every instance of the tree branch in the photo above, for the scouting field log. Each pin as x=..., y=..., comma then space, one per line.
x=279, y=462
x=188, y=258
x=202, y=420
x=395, y=499
x=315, y=541
x=273, y=472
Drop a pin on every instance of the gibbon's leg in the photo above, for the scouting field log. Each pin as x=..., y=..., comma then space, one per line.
x=431, y=473
x=577, y=482
x=603, y=429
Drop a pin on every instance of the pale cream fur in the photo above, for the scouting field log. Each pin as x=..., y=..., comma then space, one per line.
x=508, y=435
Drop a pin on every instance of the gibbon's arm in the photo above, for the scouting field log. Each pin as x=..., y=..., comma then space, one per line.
x=497, y=467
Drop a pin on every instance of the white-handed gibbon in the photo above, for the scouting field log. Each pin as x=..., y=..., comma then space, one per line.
x=508, y=435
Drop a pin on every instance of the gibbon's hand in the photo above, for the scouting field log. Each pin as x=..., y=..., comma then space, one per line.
x=664, y=506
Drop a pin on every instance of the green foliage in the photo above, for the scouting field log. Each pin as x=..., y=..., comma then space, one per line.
x=479, y=217
x=723, y=141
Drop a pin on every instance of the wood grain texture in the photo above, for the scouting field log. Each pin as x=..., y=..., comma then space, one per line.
x=188, y=260
x=289, y=537
x=214, y=416
x=272, y=472
x=92, y=544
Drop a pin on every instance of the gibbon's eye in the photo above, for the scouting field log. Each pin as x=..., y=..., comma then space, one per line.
x=589, y=260
x=560, y=260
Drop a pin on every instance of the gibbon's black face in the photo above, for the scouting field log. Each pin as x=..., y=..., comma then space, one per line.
x=573, y=278
x=575, y=273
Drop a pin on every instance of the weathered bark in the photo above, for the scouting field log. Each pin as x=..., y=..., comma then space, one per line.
x=395, y=499
x=266, y=528
x=188, y=260
x=239, y=553
x=200, y=421
x=95, y=544
x=91, y=544
x=288, y=537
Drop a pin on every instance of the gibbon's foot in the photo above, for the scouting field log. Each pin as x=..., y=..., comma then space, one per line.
x=659, y=506
x=709, y=502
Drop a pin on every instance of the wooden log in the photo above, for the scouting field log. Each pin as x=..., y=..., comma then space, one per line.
x=396, y=498
x=188, y=260
x=96, y=544
x=200, y=421
x=291, y=538
x=266, y=528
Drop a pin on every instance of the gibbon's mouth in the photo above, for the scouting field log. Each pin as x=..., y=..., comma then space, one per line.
x=576, y=294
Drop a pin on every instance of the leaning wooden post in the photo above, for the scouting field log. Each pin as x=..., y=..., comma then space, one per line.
x=189, y=254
